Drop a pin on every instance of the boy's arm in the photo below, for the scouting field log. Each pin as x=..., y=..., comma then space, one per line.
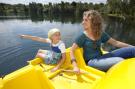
x=62, y=47
x=35, y=38
x=60, y=62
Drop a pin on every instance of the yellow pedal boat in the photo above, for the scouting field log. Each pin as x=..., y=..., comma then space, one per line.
x=37, y=75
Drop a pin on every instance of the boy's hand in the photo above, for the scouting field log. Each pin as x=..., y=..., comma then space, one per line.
x=22, y=36
x=54, y=69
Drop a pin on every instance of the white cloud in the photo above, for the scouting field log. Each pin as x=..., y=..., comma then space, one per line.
x=46, y=1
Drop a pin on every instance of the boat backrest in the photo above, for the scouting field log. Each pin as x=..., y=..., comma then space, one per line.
x=78, y=56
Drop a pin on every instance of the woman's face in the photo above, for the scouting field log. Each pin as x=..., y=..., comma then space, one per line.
x=86, y=22
x=56, y=37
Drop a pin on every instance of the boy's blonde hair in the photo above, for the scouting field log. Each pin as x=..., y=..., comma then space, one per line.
x=52, y=32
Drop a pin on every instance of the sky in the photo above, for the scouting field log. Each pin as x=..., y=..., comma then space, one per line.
x=46, y=1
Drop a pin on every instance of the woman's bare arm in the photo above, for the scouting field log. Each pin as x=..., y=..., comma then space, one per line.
x=117, y=43
x=74, y=46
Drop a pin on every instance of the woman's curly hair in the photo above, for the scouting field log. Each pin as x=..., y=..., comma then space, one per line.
x=96, y=22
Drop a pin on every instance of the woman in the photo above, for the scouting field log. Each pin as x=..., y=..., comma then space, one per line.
x=92, y=38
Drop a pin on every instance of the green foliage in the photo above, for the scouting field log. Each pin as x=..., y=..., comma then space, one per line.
x=121, y=8
x=124, y=8
x=74, y=8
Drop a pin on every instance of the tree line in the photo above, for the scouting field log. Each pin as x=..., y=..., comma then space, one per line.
x=117, y=7
x=39, y=8
x=121, y=7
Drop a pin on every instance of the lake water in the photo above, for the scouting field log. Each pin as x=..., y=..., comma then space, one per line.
x=15, y=52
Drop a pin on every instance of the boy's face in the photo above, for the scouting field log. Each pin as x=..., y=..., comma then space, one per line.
x=56, y=37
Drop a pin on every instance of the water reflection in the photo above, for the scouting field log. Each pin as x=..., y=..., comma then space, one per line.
x=63, y=18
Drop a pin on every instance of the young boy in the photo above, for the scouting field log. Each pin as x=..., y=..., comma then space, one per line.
x=57, y=54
